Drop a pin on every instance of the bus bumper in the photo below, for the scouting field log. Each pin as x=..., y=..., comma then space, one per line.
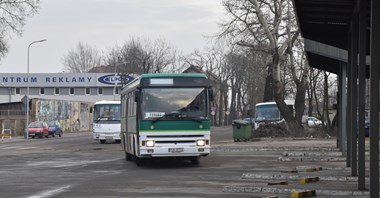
x=106, y=136
x=174, y=151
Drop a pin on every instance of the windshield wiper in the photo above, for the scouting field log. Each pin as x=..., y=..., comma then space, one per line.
x=194, y=119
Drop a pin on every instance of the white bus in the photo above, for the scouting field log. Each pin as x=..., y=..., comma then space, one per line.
x=106, y=124
x=268, y=112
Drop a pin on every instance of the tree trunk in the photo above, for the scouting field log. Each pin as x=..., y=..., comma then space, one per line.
x=221, y=97
x=302, y=86
x=310, y=100
x=293, y=127
x=268, y=89
x=233, y=99
x=225, y=100
x=326, y=104
x=299, y=103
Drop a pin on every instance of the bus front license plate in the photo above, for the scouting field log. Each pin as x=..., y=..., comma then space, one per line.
x=176, y=150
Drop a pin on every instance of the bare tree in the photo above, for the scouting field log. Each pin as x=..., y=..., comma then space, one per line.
x=254, y=78
x=238, y=78
x=13, y=16
x=321, y=94
x=213, y=61
x=315, y=80
x=141, y=55
x=81, y=59
x=300, y=71
x=257, y=23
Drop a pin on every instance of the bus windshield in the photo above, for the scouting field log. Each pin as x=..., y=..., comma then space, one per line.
x=174, y=103
x=107, y=112
x=267, y=113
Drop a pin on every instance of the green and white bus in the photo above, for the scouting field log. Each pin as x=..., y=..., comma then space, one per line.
x=166, y=115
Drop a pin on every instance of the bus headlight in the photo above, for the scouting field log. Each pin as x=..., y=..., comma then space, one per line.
x=150, y=143
x=201, y=142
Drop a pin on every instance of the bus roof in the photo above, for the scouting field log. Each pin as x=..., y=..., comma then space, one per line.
x=107, y=102
x=136, y=81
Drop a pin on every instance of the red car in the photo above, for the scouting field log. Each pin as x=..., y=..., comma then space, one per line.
x=38, y=128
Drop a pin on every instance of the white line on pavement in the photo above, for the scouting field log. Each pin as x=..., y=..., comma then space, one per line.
x=50, y=193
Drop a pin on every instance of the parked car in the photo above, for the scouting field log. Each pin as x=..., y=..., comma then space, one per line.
x=313, y=122
x=38, y=128
x=54, y=128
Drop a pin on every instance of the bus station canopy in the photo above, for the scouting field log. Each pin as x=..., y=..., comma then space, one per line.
x=343, y=37
x=324, y=24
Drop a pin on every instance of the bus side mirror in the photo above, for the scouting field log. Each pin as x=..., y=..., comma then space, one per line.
x=211, y=94
x=91, y=110
x=137, y=95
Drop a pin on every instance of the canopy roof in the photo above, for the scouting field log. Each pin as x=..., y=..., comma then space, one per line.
x=325, y=25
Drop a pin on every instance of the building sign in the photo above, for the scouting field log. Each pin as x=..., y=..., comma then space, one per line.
x=61, y=79
x=111, y=79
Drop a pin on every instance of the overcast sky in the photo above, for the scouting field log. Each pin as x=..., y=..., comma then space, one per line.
x=106, y=23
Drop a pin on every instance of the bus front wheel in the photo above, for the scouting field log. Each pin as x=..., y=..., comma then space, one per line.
x=194, y=160
x=140, y=161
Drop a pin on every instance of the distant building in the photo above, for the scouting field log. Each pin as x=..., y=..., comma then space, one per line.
x=72, y=115
x=66, y=97
x=88, y=87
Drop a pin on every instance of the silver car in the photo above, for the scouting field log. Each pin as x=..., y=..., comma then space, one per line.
x=313, y=122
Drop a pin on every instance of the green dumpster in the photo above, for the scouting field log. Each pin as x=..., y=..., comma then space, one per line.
x=242, y=130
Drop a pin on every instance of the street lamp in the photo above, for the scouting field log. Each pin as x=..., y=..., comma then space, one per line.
x=27, y=91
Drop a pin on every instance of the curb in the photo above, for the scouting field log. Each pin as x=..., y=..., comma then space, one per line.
x=253, y=148
x=273, y=190
x=296, y=177
x=313, y=169
x=278, y=183
x=308, y=193
x=308, y=180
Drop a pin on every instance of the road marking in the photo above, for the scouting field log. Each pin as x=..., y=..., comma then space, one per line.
x=51, y=193
x=16, y=147
x=67, y=162
x=9, y=147
x=27, y=148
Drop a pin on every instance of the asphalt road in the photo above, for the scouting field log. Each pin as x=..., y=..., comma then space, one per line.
x=76, y=166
